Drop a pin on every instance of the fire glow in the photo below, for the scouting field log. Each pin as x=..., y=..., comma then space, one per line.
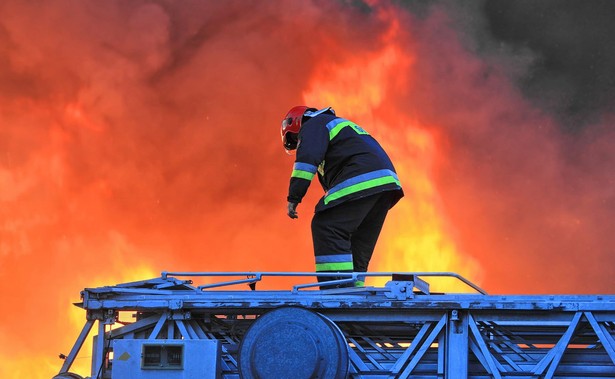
x=362, y=88
x=141, y=136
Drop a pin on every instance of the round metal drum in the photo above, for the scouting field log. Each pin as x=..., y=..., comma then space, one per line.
x=68, y=375
x=341, y=342
x=293, y=343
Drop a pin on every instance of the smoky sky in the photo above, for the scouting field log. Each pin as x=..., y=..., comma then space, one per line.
x=564, y=47
x=572, y=72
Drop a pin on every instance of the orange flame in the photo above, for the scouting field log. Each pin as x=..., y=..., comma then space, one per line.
x=417, y=235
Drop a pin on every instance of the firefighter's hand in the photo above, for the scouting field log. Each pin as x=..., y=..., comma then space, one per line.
x=292, y=210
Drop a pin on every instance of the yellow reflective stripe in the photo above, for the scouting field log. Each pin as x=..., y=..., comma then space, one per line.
x=334, y=266
x=337, y=128
x=333, y=132
x=302, y=174
x=360, y=187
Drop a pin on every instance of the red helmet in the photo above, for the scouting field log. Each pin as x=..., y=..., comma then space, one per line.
x=291, y=125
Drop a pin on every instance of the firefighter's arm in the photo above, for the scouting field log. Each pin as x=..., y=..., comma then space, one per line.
x=313, y=142
x=300, y=180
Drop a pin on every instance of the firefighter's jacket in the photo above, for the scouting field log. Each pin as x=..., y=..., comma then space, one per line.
x=349, y=162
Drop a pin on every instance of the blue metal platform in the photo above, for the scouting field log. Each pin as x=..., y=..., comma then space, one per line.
x=399, y=330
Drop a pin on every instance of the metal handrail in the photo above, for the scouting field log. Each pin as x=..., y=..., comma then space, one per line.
x=253, y=277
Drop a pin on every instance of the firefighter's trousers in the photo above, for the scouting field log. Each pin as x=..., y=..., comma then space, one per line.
x=344, y=236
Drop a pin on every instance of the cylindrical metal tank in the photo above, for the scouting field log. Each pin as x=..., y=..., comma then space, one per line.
x=293, y=342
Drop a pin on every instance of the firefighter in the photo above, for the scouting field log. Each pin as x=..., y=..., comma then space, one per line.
x=359, y=181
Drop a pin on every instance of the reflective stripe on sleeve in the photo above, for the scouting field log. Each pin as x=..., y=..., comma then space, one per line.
x=303, y=171
x=334, y=266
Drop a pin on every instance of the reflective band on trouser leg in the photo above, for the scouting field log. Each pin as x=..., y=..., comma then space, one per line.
x=371, y=180
x=336, y=266
x=334, y=262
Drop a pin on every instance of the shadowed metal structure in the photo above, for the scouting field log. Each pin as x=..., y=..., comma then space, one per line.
x=400, y=330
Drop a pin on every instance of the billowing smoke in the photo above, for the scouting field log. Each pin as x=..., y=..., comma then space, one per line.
x=143, y=136
x=571, y=72
x=525, y=112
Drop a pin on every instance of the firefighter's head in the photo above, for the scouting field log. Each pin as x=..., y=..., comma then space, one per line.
x=291, y=124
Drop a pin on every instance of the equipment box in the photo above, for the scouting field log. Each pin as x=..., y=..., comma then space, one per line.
x=165, y=359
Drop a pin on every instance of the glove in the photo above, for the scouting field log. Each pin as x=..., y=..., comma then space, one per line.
x=292, y=210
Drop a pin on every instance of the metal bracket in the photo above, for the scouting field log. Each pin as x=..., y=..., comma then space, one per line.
x=402, y=286
x=106, y=316
x=181, y=316
x=399, y=290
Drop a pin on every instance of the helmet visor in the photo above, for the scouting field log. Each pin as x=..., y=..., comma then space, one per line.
x=290, y=140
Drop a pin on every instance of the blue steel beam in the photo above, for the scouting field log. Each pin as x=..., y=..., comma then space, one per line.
x=605, y=337
x=424, y=348
x=70, y=359
x=552, y=359
x=484, y=350
x=457, y=345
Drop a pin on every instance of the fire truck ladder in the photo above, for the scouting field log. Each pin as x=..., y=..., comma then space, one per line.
x=400, y=330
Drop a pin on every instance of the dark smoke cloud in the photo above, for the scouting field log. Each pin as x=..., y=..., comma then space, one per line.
x=573, y=69
x=557, y=52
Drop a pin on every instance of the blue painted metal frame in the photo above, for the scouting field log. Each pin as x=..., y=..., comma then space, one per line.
x=399, y=330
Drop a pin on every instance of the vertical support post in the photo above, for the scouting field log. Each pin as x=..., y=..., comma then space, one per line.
x=98, y=355
x=457, y=345
x=441, y=356
x=171, y=329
